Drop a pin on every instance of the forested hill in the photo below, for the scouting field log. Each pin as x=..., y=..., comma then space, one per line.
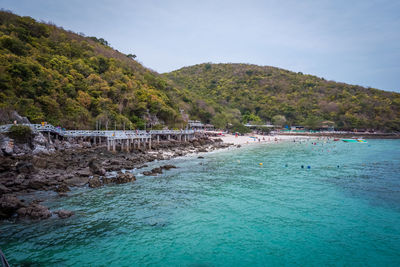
x=225, y=92
x=67, y=79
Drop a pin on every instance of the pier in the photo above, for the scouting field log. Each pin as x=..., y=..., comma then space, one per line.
x=126, y=140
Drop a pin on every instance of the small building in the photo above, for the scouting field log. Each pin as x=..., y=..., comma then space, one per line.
x=297, y=128
x=198, y=125
x=192, y=124
x=209, y=127
x=259, y=126
x=328, y=126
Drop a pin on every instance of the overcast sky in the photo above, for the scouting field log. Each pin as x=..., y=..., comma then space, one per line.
x=356, y=42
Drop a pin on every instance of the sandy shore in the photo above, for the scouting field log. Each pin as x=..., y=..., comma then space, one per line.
x=249, y=139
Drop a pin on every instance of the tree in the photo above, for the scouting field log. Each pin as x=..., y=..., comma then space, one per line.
x=132, y=56
x=279, y=120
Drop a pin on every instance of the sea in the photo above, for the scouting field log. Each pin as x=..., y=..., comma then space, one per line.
x=304, y=203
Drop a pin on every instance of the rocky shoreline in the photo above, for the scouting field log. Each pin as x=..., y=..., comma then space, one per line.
x=57, y=166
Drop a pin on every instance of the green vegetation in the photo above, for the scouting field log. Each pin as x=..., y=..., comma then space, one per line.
x=49, y=74
x=67, y=79
x=247, y=93
x=20, y=133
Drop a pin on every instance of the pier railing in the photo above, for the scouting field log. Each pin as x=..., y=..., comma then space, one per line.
x=118, y=134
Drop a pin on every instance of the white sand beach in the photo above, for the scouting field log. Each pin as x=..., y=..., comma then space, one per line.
x=256, y=139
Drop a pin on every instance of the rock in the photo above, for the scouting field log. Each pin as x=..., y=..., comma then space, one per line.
x=34, y=211
x=6, y=164
x=200, y=157
x=62, y=194
x=9, y=116
x=86, y=145
x=62, y=188
x=239, y=146
x=39, y=149
x=157, y=170
x=201, y=150
x=168, y=166
x=123, y=178
x=7, y=145
x=95, y=182
x=39, y=162
x=84, y=172
x=96, y=168
x=24, y=167
x=9, y=204
x=4, y=190
x=77, y=181
x=39, y=140
x=37, y=183
x=106, y=180
x=196, y=144
x=143, y=166
x=147, y=173
x=63, y=214
x=21, y=149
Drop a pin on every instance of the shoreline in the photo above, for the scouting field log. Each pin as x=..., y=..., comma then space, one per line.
x=64, y=170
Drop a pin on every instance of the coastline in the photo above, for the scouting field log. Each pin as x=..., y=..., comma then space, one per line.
x=80, y=165
x=93, y=167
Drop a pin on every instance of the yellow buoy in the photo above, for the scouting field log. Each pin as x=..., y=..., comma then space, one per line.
x=260, y=163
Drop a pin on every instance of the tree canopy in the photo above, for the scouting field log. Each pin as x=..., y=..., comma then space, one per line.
x=242, y=91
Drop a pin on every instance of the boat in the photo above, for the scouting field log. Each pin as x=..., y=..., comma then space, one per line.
x=354, y=140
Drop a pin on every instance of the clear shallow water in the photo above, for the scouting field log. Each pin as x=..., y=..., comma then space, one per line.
x=227, y=210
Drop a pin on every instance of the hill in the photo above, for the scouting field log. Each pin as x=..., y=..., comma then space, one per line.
x=68, y=79
x=222, y=93
x=50, y=74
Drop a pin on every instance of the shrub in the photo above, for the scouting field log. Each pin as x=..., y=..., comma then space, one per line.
x=20, y=133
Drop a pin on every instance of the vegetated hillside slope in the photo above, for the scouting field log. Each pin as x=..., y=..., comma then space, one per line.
x=49, y=74
x=249, y=92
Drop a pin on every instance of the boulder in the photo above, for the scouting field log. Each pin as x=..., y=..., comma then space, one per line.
x=168, y=166
x=157, y=170
x=96, y=168
x=4, y=190
x=86, y=145
x=21, y=149
x=95, y=182
x=24, y=167
x=38, y=183
x=34, y=211
x=6, y=164
x=39, y=149
x=62, y=188
x=39, y=140
x=196, y=144
x=77, y=181
x=63, y=214
x=6, y=145
x=84, y=172
x=147, y=173
x=9, y=204
x=39, y=162
x=123, y=178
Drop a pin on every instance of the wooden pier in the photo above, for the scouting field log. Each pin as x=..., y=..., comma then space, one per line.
x=125, y=140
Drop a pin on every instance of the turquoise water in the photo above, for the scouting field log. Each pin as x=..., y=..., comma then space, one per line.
x=227, y=210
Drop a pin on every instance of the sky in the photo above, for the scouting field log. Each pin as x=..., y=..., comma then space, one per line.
x=356, y=42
